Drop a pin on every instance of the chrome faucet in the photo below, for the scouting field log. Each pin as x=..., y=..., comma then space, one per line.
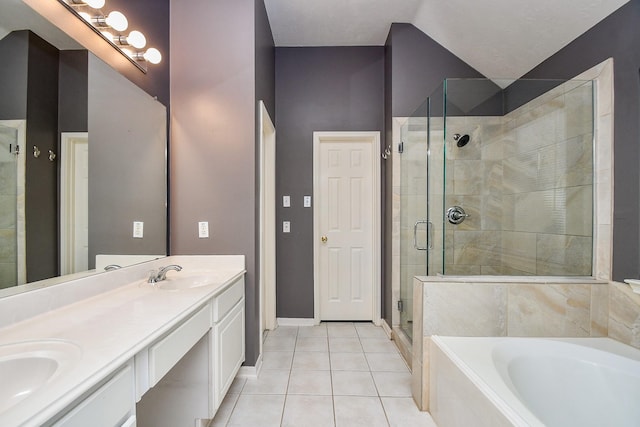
x=111, y=267
x=161, y=274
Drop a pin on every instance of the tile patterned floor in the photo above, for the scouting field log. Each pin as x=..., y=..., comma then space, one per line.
x=335, y=374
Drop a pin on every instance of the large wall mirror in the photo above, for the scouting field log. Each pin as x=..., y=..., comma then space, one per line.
x=82, y=157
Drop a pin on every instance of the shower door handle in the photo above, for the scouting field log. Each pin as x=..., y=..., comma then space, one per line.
x=429, y=235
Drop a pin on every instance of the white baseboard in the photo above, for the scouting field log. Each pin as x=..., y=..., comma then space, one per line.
x=251, y=371
x=386, y=328
x=291, y=321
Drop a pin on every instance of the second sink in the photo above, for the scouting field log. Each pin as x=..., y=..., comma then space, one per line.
x=25, y=367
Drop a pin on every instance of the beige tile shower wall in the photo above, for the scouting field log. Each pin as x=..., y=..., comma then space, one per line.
x=547, y=182
x=474, y=181
x=525, y=177
x=624, y=314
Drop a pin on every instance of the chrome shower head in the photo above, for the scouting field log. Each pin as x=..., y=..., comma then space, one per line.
x=461, y=140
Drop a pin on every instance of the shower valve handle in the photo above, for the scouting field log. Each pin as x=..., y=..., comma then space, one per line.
x=455, y=214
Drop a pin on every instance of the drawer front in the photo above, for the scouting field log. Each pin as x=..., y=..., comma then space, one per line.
x=111, y=405
x=229, y=298
x=164, y=354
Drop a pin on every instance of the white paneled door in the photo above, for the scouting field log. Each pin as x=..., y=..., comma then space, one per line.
x=346, y=223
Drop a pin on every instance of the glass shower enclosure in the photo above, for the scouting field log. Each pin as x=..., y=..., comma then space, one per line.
x=497, y=179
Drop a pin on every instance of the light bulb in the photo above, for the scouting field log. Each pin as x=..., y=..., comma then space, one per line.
x=96, y=4
x=117, y=21
x=153, y=55
x=85, y=16
x=136, y=39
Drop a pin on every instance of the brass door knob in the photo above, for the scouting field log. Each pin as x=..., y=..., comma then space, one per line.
x=324, y=239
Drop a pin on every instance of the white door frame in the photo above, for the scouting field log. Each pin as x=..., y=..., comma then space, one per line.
x=267, y=232
x=374, y=139
x=67, y=200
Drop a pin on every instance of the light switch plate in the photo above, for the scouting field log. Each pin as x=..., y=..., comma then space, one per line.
x=203, y=229
x=307, y=201
x=286, y=227
x=286, y=201
x=138, y=229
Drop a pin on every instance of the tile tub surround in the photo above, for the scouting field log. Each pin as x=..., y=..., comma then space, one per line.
x=624, y=314
x=487, y=306
x=111, y=316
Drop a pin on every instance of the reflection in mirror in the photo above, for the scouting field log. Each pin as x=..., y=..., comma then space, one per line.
x=102, y=156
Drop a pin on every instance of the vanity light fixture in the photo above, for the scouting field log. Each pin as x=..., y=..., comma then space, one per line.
x=135, y=39
x=111, y=27
x=153, y=55
x=115, y=20
x=96, y=4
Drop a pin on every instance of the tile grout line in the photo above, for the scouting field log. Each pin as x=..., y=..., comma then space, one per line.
x=375, y=384
x=333, y=398
x=286, y=391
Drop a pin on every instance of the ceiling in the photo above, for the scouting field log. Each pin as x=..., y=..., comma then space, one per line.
x=499, y=38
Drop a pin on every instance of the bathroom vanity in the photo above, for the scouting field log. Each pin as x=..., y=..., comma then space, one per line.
x=114, y=350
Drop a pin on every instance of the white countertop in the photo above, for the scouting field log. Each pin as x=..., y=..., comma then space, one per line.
x=110, y=328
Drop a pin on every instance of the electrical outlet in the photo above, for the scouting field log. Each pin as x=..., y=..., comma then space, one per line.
x=138, y=229
x=286, y=227
x=286, y=201
x=307, y=201
x=203, y=229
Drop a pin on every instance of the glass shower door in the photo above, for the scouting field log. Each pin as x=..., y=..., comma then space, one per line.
x=414, y=227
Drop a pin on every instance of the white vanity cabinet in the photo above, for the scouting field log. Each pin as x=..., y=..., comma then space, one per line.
x=136, y=355
x=185, y=374
x=155, y=361
x=111, y=405
x=228, y=339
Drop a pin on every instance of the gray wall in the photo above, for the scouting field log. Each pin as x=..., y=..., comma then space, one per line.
x=29, y=83
x=617, y=36
x=73, y=91
x=127, y=145
x=415, y=66
x=418, y=65
x=213, y=131
x=317, y=89
x=13, y=76
x=41, y=195
x=265, y=61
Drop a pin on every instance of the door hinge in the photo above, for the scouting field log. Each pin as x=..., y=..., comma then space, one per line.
x=400, y=305
x=401, y=147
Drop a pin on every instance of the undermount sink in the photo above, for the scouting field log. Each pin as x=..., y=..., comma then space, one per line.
x=25, y=367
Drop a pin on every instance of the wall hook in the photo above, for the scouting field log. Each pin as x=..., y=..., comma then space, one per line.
x=386, y=153
x=52, y=156
x=36, y=151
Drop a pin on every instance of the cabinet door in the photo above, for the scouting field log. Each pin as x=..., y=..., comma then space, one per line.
x=228, y=350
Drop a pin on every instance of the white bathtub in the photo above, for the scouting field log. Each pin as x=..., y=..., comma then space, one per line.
x=534, y=382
